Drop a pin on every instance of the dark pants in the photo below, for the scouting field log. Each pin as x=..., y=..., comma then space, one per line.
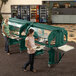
x=6, y=44
x=30, y=62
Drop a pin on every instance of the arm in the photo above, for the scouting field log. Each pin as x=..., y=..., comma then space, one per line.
x=26, y=44
x=3, y=30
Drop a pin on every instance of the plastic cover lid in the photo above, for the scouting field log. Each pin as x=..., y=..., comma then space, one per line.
x=15, y=24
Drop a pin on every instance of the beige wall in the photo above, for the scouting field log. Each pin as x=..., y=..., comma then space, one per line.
x=7, y=7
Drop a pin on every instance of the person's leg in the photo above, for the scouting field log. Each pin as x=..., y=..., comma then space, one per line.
x=32, y=62
x=6, y=44
x=27, y=64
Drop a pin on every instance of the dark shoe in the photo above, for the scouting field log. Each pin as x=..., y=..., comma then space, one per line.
x=34, y=71
x=25, y=70
x=8, y=53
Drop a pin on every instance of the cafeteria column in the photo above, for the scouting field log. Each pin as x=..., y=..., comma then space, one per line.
x=37, y=13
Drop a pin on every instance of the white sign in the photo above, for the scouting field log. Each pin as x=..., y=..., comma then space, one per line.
x=66, y=48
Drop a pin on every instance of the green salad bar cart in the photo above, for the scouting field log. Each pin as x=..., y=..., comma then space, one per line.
x=51, y=37
x=45, y=36
x=17, y=29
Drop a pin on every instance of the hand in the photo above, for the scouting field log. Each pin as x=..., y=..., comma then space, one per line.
x=30, y=48
x=33, y=50
x=37, y=44
x=36, y=39
x=7, y=36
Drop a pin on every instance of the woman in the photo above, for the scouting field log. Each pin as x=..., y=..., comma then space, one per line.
x=5, y=31
x=30, y=44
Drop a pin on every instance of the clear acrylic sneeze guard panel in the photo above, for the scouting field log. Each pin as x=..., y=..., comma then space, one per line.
x=41, y=34
x=14, y=30
x=15, y=24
